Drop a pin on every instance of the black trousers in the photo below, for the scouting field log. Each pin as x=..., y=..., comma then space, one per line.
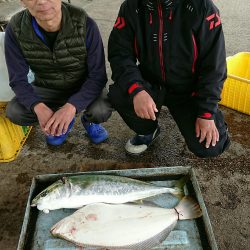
x=99, y=111
x=183, y=109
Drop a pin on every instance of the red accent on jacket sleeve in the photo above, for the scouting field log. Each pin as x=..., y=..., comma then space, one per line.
x=133, y=87
x=206, y=115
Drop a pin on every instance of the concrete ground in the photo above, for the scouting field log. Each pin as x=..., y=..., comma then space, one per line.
x=224, y=181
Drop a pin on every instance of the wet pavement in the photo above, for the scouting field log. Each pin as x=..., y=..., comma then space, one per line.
x=224, y=181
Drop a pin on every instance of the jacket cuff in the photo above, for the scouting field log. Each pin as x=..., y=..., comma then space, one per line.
x=134, y=89
x=206, y=116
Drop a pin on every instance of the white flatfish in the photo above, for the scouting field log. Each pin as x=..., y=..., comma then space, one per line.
x=123, y=226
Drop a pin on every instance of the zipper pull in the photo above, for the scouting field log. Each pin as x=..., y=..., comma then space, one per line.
x=150, y=18
x=170, y=15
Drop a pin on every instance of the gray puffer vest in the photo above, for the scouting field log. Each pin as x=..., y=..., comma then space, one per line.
x=66, y=66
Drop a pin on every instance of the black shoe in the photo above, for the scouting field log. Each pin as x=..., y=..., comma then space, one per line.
x=140, y=143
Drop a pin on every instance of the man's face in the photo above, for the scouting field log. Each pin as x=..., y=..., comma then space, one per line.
x=44, y=10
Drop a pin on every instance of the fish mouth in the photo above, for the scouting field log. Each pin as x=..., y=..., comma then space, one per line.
x=34, y=202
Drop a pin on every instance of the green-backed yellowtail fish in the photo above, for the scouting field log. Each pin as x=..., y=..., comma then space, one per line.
x=123, y=226
x=80, y=190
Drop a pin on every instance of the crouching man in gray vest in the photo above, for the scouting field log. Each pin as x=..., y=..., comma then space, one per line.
x=63, y=48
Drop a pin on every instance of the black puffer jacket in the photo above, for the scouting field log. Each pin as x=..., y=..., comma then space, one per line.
x=175, y=43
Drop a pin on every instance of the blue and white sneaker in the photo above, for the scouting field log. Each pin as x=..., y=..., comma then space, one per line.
x=140, y=143
x=58, y=140
x=96, y=132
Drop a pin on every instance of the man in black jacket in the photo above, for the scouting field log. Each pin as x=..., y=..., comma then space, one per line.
x=170, y=52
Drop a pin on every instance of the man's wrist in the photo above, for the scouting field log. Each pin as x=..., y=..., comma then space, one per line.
x=36, y=106
x=71, y=107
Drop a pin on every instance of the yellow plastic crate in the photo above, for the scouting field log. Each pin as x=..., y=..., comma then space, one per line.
x=236, y=90
x=12, y=137
x=2, y=105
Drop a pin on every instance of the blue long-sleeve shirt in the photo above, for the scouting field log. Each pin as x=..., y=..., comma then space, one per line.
x=90, y=89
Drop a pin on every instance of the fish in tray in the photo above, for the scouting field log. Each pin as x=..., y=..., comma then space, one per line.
x=123, y=226
x=80, y=190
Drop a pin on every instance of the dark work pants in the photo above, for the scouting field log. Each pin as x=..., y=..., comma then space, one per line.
x=99, y=111
x=183, y=110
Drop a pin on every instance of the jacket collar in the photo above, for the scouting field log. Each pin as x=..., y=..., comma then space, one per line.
x=166, y=4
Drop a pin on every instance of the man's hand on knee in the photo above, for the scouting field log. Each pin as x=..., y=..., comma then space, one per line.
x=144, y=106
x=206, y=130
x=59, y=122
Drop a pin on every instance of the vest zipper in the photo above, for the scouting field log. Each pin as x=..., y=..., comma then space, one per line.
x=160, y=41
x=53, y=56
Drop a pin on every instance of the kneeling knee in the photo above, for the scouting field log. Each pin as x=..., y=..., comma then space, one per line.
x=213, y=151
x=12, y=114
x=206, y=152
x=99, y=116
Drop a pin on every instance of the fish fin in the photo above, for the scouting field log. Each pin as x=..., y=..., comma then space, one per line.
x=178, y=192
x=178, y=189
x=139, y=202
x=188, y=208
x=46, y=211
x=182, y=181
x=55, y=227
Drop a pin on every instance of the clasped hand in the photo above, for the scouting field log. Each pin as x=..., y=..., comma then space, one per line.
x=54, y=123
